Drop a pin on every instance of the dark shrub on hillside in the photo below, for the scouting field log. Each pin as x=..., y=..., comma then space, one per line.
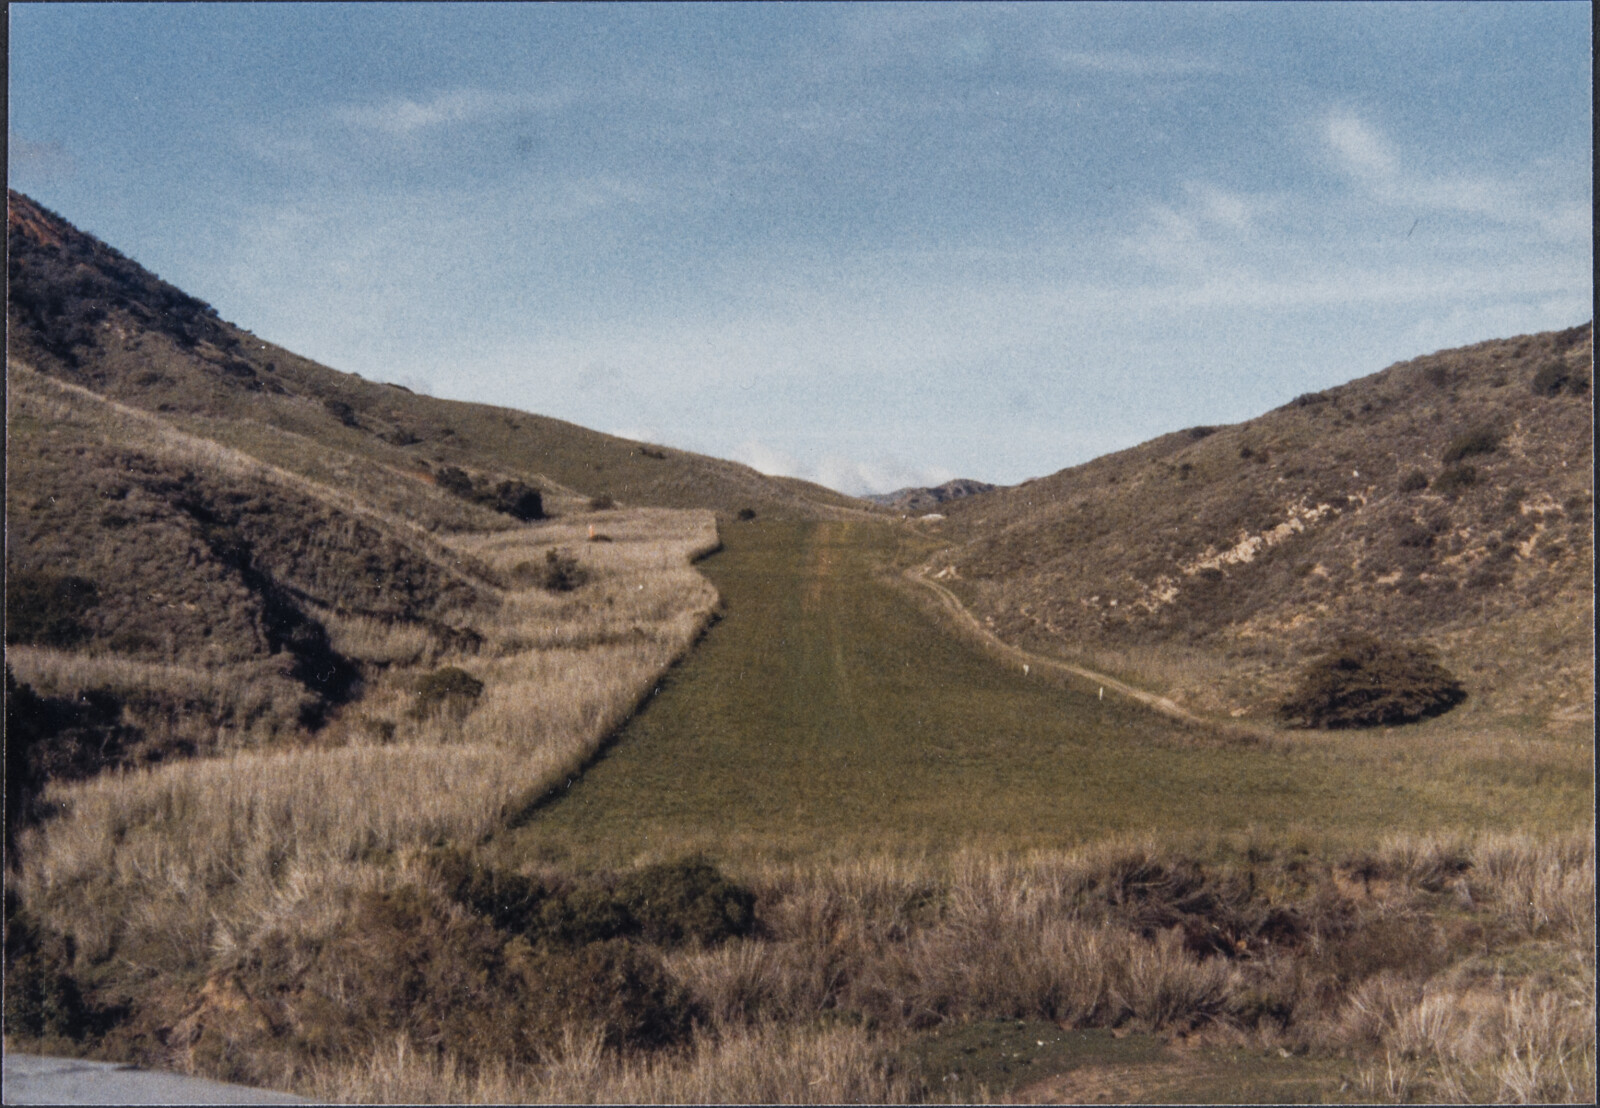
x=517, y=500
x=1481, y=440
x=513, y=498
x=454, y=480
x=57, y=738
x=560, y=572
x=341, y=411
x=1415, y=481
x=1555, y=378
x=452, y=689
x=747, y=514
x=1455, y=480
x=1365, y=682
x=47, y=609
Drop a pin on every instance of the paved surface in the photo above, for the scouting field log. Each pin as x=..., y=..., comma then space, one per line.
x=30, y=1079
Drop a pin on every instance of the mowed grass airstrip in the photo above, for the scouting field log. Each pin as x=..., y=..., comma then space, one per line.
x=829, y=715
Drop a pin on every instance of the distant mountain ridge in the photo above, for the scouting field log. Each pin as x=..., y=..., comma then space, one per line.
x=914, y=499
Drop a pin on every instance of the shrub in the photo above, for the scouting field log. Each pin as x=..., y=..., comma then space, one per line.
x=454, y=480
x=601, y=503
x=1555, y=377
x=747, y=514
x=341, y=411
x=1481, y=440
x=560, y=572
x=515, y=499
x=450, y=688
x=616, y=988
x=668, y=904
x=688, y=900
x=1415, y=481
x=47, y=608
x=41, y=995
x=1365, y=682
x=1455, y=480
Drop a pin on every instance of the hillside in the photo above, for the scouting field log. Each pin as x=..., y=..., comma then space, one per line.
x=1447, y=499
x=927, y=499
x=214, y=544
x=82, y=312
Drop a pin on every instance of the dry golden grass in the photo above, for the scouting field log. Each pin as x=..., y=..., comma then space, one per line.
x=190, y=856
x=768, y=1064
x=899, y=945
x=51, y=400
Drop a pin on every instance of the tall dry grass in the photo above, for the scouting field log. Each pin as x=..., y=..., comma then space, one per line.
x=182, y=858
x=854, y=960
x=765, y=1064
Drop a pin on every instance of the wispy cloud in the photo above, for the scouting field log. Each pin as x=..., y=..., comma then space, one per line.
x=1382, y=171
x=1121, y=63
x=400, y=116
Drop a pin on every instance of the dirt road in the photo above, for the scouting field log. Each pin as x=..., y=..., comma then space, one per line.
x=970, y=623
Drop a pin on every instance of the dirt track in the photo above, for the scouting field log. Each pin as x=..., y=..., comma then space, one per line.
x=970, y=623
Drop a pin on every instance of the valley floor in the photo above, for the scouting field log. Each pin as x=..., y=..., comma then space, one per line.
x=829, y=715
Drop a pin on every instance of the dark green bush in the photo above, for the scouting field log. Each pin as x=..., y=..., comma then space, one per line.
x=1455, y=480
x=747, y=514
x=1363, y=681
x=451, y=688
x=47, y=609
x=1415, y=481
x=1481, y=440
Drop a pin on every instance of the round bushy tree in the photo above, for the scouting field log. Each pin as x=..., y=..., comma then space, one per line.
x=1366, y=682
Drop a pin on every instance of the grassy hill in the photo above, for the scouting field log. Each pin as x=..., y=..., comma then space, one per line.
x=82, y=312
x=226, y=542
x=1447, y=499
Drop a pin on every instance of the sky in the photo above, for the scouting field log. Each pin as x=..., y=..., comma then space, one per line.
x=867, y=245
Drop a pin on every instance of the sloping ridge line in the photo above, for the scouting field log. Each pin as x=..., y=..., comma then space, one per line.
x=953, y=606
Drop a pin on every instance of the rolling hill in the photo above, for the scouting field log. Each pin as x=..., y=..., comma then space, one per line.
x=83, y=313
x=1448, y=499
x=213, y=543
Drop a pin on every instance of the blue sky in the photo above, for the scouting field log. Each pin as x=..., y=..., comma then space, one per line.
x=870, y=245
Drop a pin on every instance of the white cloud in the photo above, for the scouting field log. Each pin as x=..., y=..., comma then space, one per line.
x=764, y=459
x=1359, y=149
